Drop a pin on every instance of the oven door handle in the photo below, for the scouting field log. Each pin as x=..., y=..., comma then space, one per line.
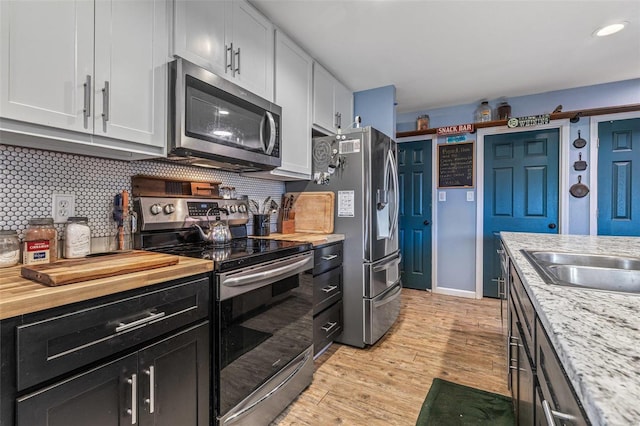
x=237, y=416
x=269, y=275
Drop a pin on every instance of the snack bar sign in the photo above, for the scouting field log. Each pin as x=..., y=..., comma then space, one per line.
x=531, y=120
x=456, y=130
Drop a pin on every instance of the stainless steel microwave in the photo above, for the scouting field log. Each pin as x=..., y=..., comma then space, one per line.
x=215, y=123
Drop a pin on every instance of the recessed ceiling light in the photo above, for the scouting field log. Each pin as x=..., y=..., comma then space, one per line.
x=609, y=29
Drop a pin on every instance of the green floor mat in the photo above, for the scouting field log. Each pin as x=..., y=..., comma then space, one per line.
x=452, y=404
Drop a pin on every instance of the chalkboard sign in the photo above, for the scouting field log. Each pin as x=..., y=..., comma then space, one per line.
x=456, y=165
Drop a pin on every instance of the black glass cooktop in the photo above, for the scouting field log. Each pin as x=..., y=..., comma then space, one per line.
x=238, y=253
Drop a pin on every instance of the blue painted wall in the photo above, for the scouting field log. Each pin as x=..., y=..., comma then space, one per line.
x=377, y=108
x=456, y=217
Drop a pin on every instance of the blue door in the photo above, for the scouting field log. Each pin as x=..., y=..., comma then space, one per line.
x=618, y=174
x=520, y=191
x=414, y=175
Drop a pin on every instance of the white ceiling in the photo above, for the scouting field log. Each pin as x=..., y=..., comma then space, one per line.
x=443, y=53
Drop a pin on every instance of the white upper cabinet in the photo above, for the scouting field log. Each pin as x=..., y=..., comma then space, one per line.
x=332, y=101
x=46, y=61
x=230, y=38
x=293, y=80
x=130, y=70
x=98, y=68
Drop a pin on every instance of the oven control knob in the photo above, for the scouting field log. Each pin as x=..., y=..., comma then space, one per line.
x=242, y=208
x=156, y=209
x=169, y=208
x=232, y=208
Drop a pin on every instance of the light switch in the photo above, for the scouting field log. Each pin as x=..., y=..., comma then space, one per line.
x=442, y=196
x=470, y=195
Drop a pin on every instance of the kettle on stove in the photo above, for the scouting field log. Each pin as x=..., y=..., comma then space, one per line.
x=218, y=232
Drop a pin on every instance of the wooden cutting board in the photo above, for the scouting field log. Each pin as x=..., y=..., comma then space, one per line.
x=91, y=268
x=314, y=212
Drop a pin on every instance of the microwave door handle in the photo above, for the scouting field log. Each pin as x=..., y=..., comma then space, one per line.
x=272, y=132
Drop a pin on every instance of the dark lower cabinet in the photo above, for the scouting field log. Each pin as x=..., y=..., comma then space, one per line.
x=166, y=383
x=327, y=295
x=97, y=397
x=140, y=357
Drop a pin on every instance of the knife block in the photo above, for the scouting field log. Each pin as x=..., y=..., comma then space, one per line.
x=288, y=226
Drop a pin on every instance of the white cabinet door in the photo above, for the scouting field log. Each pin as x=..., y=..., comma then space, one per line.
x=343, y=104
x=293, y=94
x=201, y=32
x=46, y=58
x=229, y=38
x=130, y=70
x=323, y=107
x=252, y=36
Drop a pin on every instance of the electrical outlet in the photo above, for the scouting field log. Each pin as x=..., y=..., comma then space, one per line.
x=63, y=207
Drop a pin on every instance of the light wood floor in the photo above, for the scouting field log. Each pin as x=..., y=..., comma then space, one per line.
x=456, y=339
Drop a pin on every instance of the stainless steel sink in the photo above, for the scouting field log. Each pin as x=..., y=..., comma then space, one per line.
x=601, y=272
x=594, y=260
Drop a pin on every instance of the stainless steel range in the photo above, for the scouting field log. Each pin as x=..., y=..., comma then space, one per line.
x=262, y=355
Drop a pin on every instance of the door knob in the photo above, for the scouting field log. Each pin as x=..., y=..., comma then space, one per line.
x=552, y=226
x=426, y=222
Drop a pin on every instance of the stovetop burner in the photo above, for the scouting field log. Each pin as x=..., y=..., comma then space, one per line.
x=239, y=253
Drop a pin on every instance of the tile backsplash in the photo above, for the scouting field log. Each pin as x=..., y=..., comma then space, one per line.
x=29, y=177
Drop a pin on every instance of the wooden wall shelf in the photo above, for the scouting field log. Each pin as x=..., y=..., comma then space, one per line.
x=554, y=116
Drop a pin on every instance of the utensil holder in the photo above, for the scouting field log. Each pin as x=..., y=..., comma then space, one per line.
x=261, y=225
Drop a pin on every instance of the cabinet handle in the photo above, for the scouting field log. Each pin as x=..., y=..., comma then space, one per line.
x=237, y=69
x=141, y=321
x=550, y=414
x=228, y=58
x=335, y=120
x=329, y=289
x=87, y=100
x=133, y=411
x=105, y=102
x=328, y=326
x=152, y=388
x=329, y=257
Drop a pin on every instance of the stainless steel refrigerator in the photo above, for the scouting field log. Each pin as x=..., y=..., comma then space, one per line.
x=360, y=167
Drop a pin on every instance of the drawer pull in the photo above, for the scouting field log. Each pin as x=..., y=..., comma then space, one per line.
x=550, y=414
x=329, y=289
x=328, y=326
x=329, y=257
x=141, y=321
x=133, y=411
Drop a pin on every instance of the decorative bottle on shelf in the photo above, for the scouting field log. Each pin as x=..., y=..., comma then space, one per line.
x=503, y=110
x=483, y=112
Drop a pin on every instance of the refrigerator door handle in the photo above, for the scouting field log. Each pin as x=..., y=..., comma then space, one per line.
x=388, y=264
x=394, y=180
x=392, y=295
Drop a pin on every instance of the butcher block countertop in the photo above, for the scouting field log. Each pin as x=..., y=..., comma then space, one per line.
x=315, y=239
x=20, y=296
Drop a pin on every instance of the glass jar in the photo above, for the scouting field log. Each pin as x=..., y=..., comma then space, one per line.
x=77, y=237
x=9, y=248
x=423, y=122
x=483, y=112
x=40, y=242
x=504, y=110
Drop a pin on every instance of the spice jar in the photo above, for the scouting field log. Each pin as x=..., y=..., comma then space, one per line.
x=40, y=242
x=9, y=248
x=77, y=237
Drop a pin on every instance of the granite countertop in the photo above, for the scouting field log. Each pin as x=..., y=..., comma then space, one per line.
x=596, y=334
